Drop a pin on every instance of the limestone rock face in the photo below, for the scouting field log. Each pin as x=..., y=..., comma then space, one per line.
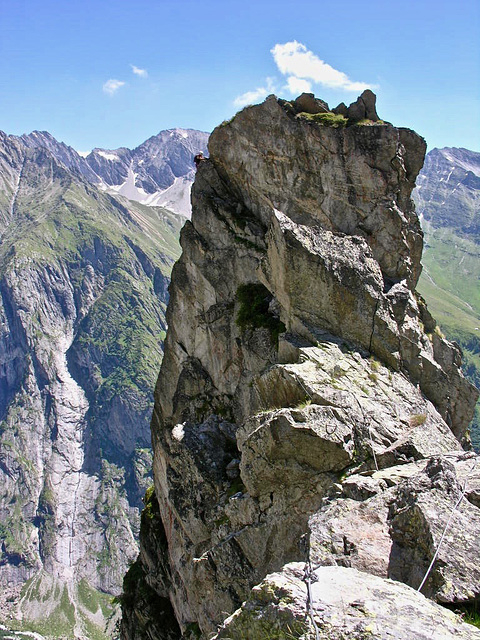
x=298, y=357
x=148, y=580
x=356, y=181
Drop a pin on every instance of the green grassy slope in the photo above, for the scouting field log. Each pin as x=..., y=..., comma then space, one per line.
x=116, y=256
x=448, y=198
x=450, y=285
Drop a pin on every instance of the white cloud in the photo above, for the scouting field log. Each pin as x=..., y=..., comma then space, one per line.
x=112, y=86
x=303, y=69
x=296, y=86
x=295, y=60
x=143, y=73
x=250, y=97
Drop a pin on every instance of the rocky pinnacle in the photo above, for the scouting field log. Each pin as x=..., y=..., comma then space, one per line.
x=301, y=370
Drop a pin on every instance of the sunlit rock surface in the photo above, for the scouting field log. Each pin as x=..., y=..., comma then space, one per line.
x=297, y=355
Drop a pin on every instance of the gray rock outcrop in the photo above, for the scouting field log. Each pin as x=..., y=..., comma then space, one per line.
x=363, y=108
x=298, y=356
x=346, y=605
x=393, y=522
x=307, y=103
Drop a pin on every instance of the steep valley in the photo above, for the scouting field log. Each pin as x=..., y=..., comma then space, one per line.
x=83, y=284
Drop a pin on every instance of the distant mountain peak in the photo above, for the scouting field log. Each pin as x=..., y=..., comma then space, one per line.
x=448, y=189
x=159, y=171
x=183, y=133
x=161, y=164
x=463, y=158
x=59, y=150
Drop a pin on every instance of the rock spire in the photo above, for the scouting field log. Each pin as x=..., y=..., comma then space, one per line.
x=303, y=377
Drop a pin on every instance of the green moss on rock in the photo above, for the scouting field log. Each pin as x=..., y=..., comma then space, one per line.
x=329, y=119
x=254, y=310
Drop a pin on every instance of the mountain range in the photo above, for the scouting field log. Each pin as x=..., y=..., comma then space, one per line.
x=83, y=290
x=447, y=198
x=159, y=172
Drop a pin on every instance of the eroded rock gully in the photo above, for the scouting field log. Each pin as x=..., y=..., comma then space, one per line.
x=82, y=293
x=307, y=408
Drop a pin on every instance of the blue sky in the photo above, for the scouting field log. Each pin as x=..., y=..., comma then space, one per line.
x=112, y=73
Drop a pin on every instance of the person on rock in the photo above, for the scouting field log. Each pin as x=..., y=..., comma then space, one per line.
x=198, y=159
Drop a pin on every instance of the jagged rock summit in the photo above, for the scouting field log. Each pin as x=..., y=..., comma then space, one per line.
x=304, y=376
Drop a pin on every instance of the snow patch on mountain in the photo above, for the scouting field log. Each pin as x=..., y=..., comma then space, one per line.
x=159, y=172
x=463, y=158
x=179, y=132
x=108, y=156
x=175, y=198
x=129, y=188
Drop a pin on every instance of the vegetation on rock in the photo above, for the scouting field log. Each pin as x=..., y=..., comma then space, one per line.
x=254, y=311
x=327, y=119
